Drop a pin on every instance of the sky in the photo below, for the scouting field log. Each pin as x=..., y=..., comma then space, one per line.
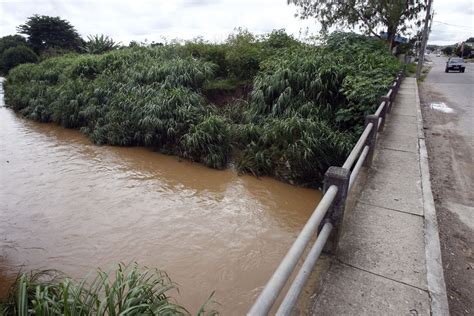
x=163, y=20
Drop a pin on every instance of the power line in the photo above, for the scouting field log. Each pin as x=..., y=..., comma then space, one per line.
x=463, y=26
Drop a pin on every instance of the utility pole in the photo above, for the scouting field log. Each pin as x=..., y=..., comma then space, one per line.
x=424, y=40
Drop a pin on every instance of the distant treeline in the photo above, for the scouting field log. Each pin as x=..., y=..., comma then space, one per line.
x=267, y=105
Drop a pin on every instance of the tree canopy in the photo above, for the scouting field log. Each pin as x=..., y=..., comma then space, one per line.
x=46, y=32
x=394, y=16
x=15, y=56
x=11, y=41
x=463, y=50
x=448, y=50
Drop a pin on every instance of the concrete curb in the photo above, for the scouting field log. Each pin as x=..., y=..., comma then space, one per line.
x=434, y=266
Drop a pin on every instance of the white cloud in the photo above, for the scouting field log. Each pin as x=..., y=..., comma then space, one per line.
x=139, y=19
x=127, y=20
x=453, y=21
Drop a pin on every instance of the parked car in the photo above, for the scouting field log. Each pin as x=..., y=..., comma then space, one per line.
x=455, y=63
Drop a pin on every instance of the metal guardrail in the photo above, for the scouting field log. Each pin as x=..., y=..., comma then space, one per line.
x=327, y=217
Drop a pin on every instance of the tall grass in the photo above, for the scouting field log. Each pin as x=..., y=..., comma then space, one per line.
x=129, y=290
x=304, y=113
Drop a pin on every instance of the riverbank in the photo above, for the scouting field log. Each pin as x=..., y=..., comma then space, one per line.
x=305, y=110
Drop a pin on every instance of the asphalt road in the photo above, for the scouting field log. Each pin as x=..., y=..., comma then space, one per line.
x=457, y=88
x=448, y=115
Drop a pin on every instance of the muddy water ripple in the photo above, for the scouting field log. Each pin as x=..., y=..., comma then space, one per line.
x=70, y=205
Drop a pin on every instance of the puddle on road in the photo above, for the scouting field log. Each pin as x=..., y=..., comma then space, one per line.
x=441, y=106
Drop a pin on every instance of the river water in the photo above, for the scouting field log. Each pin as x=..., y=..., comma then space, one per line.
x=70, y=205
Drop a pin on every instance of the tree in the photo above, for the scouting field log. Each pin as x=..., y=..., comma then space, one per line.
x=15, y=56
x=463, y=50
x=50, y=32
x=99, y=44
x=448, y=50
x=11, y=41
x=394, y=16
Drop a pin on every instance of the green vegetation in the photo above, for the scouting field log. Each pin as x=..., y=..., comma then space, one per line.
x=14, y=51
x=99, y=44
x=11, y=41
x=411, y=69
x=305, y=110
x=15, y=56
x=127, y=291
x=448, y=50
x=463, y=50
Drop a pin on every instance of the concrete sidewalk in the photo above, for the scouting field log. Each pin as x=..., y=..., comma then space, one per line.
x=385, y=264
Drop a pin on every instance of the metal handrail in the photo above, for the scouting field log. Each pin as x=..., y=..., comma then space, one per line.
x=279, y=278
x=305, y=271
x=358, y=166
x=362, y=149
x=358, y=147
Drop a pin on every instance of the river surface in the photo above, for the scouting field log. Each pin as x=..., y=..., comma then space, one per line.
x=70, y=205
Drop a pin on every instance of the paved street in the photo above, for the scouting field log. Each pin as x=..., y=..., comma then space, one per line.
x=448, y=115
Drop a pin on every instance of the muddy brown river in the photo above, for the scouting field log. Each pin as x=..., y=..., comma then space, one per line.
x=70, y=205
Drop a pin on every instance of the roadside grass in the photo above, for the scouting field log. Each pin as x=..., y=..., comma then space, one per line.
x=424, y=72
x=411, y=69
x=128, y=290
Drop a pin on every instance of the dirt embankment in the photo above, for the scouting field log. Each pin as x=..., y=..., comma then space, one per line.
x=222, y=97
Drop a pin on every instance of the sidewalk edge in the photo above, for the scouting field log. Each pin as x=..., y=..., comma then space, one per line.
x=434, y=266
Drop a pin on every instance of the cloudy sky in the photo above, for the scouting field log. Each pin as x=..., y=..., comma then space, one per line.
x=126, y=20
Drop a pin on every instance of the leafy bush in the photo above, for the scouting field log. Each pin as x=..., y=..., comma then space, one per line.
x=278, y=39
x=10, y=41
x=215, y=53
x=127, y=291
x=305, y=111
x=99, y=44
x=15, y=56
x=244, y=55
x=208, y=142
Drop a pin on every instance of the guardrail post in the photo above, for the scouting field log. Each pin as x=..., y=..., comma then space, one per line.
x=384, y=110
x=371, y=139
x=339, y=177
